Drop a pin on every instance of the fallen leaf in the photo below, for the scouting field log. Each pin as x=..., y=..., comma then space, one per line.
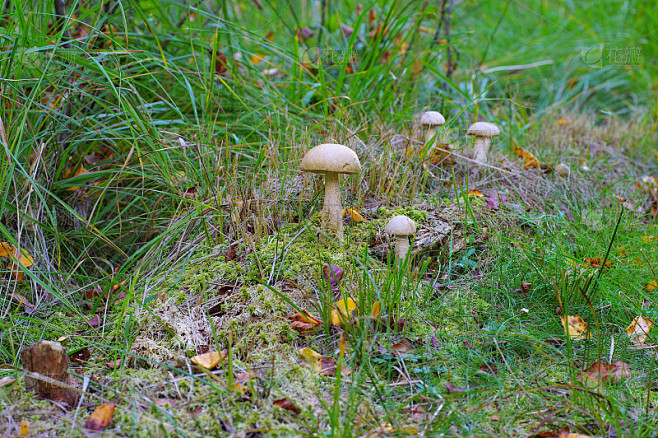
x=575, y=327
x=284, y=403
x=312, y=358
x=489, y=368
x=639, y=330
x=208, y=360
x=530, y=160
x=342, y=311
x=78, y=172
x=376, y=309
x=101, y=417
x=652, y=285
x=95, y=321
x=452, y=388
x=303, y=328
x=596, y=262
x=405, y=346
x=306, y=318
x=333, y=274
x=114, y=364
x=323, y=365
x=25, y=428
x=602, y=372
x=230, y=254
x=356, y=217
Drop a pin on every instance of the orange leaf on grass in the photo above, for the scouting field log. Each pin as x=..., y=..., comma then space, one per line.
x=208, y=360
x=101, y=417
x=530, y=160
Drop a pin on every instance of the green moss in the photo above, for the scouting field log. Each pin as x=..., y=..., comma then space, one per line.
x=417, y=215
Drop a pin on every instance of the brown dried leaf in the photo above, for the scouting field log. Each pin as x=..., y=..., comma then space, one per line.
x=286, y=404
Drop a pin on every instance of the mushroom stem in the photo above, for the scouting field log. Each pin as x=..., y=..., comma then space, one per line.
x=332, y=212
x=401, y=246
x=431, y=132
x=481, y=148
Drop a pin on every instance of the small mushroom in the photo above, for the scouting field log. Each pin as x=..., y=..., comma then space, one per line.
x=483, y=132
x=563, y=170
x=331, y=160
x=401, y=227
x=433, y=120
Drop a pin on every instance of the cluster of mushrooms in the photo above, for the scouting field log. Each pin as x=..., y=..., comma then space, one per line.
x=332, y=160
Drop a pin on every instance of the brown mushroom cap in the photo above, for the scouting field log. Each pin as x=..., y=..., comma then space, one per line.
x=432, y=118
x=483, y=129
x=331, y=158
x=400, y=226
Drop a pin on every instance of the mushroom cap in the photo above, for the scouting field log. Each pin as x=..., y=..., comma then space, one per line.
x=432, y=118
x=483, y=129
x=400, y=226
x=331, y=158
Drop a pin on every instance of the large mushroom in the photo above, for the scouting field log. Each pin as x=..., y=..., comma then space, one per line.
x=433, y=120
x=331, y=160
x=483, y=132
x=401, y=227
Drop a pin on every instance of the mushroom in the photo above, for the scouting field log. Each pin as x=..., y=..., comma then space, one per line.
x=433, y=120
x=562, y=170
x=401, y=227
x=483, y=132
x=331, y=160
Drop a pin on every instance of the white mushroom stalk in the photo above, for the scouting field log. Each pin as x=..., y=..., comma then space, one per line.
x=331, y=160
x=401, y=227
x=483, y=132
x=433, y=120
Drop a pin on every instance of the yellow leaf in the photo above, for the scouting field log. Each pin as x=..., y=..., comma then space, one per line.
x=356, y=217
x=652, y=285
x=639, y=330
x=256, y=59
x=313, y=358
x=342, y=311
x=575, y=327
x=208, y=360
x=6, y=250
x=25, y=428
x=562, y=121
x=376, y=309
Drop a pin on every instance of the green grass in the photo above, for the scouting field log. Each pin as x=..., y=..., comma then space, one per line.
x=190, y=147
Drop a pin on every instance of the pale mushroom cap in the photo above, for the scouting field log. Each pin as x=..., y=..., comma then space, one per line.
x=331, y=158
x=400, y=226
x=432, y=118
x=483, y=129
